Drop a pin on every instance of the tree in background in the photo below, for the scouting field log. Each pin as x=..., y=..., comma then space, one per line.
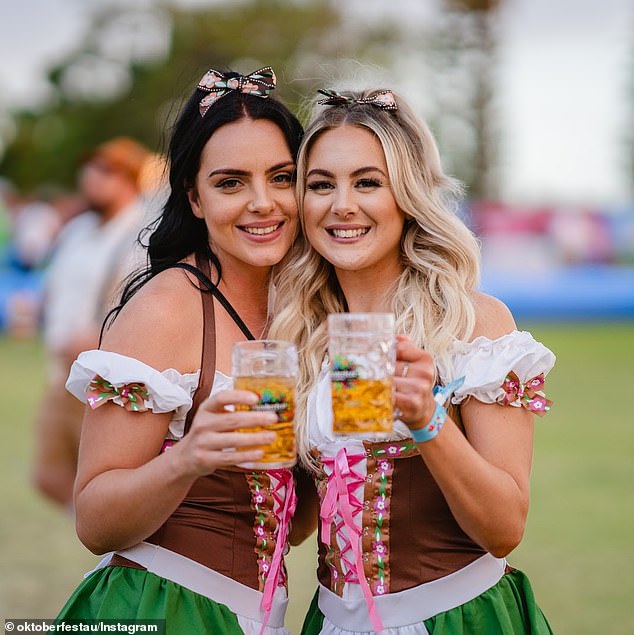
x=629, y=133
x=134, y=66
x=462, y=57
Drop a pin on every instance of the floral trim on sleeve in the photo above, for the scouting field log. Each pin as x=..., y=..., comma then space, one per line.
x=528, y=394
x=132, y=397
x=487, y=365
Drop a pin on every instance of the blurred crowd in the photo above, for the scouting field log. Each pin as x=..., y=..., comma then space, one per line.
x=545, y=238
x=64, y=257
x=118, y=192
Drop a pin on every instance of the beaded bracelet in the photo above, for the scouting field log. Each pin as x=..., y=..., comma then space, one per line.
x=441, y=394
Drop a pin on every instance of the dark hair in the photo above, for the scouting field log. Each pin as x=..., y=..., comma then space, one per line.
x=177, y=233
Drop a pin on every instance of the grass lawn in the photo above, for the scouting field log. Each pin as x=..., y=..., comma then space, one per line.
x=578, y=549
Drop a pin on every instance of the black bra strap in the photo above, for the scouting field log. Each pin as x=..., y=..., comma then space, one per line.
x=213, y=289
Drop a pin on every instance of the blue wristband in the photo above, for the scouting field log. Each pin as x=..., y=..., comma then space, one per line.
x=433, y=427
x=441, y=394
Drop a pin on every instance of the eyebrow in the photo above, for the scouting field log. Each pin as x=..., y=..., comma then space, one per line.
x=236, y=172
x=357, y=172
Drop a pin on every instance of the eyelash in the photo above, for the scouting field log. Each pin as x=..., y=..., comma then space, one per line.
x=323, y=185
x=286, y=177
x=282, y=177
x=318, y=185
x=228, y=184
x=369, y=182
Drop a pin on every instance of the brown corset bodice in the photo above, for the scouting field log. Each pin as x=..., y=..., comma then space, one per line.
x=229, y=522
x=408, y=533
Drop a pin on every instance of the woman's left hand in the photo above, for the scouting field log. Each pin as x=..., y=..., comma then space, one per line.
x=413, y=383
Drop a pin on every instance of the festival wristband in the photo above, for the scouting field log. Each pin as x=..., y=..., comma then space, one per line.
x=441, y=394
x=433, y=427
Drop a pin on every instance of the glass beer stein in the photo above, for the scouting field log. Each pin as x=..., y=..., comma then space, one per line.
x=269, y=369
x=362, y=357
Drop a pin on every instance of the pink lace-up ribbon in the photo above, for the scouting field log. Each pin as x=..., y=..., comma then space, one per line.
x=339, y=497
x=285, y=479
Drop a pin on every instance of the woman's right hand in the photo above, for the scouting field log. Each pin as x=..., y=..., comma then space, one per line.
x=213, y=441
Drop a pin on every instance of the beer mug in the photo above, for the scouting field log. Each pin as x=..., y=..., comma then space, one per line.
x=269, y=369
x=362, y=358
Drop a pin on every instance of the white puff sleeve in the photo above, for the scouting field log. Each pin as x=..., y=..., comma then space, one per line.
x=97, y=377
x=508, y=370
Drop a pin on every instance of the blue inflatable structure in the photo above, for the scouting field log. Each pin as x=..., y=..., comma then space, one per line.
x=573, y=293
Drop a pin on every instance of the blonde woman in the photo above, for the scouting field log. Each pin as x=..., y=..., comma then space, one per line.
x=417, y=537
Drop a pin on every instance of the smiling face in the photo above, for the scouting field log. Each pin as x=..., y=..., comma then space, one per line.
x=244, y=192
x=350, y=215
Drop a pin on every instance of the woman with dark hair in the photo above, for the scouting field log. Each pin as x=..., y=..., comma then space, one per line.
x=191, y=538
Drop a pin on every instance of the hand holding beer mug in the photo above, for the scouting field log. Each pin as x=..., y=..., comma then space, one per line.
x=362, y=355
x=269, y=369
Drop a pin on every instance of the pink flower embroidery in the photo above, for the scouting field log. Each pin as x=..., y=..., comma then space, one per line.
x=526, y=394
x=379, y=548
x=536, y=383
x=538, y=405
x=379, y=588
x=393, y=450
x=260, y=531
x=384, y=466
x=512, y=388
x=131, y=396
x=380, y=505
x=258, y=498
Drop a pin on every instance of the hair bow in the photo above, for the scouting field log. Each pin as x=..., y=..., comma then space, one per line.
x=217, y=84
x=384, y=99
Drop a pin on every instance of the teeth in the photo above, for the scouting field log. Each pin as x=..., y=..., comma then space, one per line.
x=260, y=231
x=349, y=233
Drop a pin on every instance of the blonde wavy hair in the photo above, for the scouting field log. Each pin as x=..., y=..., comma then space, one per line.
x=432, y=297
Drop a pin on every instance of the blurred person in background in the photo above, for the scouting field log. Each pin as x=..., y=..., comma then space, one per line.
x=5, y=219
x=154, y=184
x=94, y=252
x=36, y=225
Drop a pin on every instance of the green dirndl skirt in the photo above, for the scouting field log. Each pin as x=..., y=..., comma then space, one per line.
x=508, y=608
x=124, y=593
